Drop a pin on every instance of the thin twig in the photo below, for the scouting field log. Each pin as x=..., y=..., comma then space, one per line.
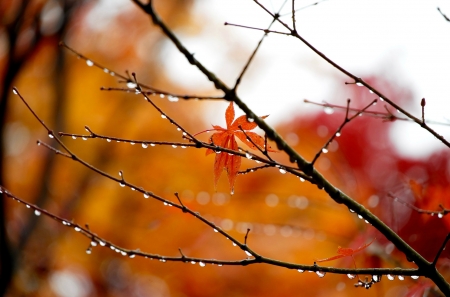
x=338, y=132
x=266, y=31
x=422, y=104
x=447, y=238
x=388, y=116
x=127, y=79
x=263, y=151
x=250, y=59
x=246, y=236
x=440, y=213
x=445, y=17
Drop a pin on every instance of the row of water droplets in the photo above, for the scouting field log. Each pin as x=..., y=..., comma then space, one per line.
x=93, y=243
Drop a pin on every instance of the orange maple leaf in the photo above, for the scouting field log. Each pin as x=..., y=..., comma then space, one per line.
x=345, y=252
x=225, y=138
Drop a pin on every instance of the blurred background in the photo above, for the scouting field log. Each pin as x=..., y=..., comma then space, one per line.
x=401, y=49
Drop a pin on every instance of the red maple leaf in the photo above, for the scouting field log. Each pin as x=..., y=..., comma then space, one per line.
x=225, y=138
x=345, y=252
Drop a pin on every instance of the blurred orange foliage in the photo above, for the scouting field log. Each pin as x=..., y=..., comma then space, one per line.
x=290, y=220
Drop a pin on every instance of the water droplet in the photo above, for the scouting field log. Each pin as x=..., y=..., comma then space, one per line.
x=74, y=137
x=351, y=210
x=193, y=262
x=320, y=273
x=381, y=99
x=132, y=256
x=89, y=63
x=390, y=277
x=14, y=92
x=440, y=215
x=338, y=134
x=251, y=120
x=112, y=73
x=51, y=135
x=351, y=276
x=37, y=212
x=162, y=260
x=366, y=221
x=302, y=179
x=65, y=223
x=152, y=144
x=174, y=146
x=248, y=254
x=248, y=156
x=102, y=243
x=144, y=145
x=324, y=150
x=162, y=95
x=133, y=189
x=183, y=146
x=360, y=216
x=146, y=195
x=215, y=230
x=123, y=253
x=414, y=276
x=300, y=270
x=132, y=143
x=122, y=185
x=234, y=244
x=282, y=170
x=376, y=278
x=219, y=265
x=77, y=229
x=163, y=116
x=84, y=138
x=105, y=70
x=89, y=251
x=172, y=98
x=131, y=85
x=93, y=243
x=370, y=91
x=28, y=206
x=359, y=84
x=401, y=277
x=328, y=110
x=108, y=140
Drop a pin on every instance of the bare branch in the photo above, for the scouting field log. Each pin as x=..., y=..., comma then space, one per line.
x=445, y=17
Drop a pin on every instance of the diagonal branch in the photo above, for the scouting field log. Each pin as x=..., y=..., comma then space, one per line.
x=347, y=120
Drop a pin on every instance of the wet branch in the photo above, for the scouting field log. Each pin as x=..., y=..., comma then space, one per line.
x=98, y=241
x=347, y=120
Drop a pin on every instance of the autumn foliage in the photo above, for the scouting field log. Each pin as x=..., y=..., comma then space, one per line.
x=167, y=202
x=226, y=138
